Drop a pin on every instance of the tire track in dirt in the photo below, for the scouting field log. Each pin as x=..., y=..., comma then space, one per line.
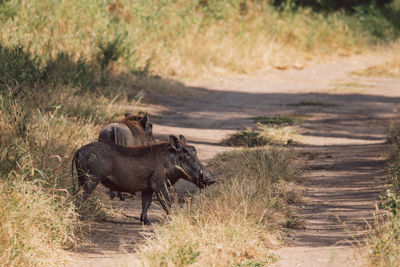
x=344, y=144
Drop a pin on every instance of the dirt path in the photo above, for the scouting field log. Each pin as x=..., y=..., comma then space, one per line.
x=344, y=144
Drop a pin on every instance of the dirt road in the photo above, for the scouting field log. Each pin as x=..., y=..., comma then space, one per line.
x=344, y=144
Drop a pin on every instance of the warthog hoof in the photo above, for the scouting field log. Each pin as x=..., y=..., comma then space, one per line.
x=145, y=221
x=121, y=196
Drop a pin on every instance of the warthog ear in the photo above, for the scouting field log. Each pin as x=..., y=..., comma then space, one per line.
x=174, y=142
x=144, y=120
x=183, y=139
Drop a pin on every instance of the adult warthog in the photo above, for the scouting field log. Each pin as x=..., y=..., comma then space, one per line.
x=148, y=168
x=133, y=130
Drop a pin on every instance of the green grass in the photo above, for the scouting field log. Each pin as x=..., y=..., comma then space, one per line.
x=235, y=222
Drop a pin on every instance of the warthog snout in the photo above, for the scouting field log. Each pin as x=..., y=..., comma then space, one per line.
x=206, y=179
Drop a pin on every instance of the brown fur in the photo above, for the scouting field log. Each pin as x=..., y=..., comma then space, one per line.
x=142, y=150
x=134, y=117
x=134, y=126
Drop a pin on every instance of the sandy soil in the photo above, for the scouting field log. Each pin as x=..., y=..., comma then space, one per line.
x=343, y=146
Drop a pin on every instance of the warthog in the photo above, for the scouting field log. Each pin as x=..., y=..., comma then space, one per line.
x=148, y=168
x=144, y=121
x=133, y=130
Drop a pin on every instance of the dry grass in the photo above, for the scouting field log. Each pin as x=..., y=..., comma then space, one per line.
x=390, y=69
x=186, y=38
x=384, y=242
x=246, y=138
x=42, y=121
x=68, y=67
x=35, y=224
x=278, y=130
x=281, y=135
x=231, y=223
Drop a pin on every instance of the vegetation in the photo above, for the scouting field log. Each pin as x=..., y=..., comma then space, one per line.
x=47, y=110
x=68, y=67
x=390, y=69
x=280, y=130
x=188, y=38
x=384, y=244
x=233, y=222
x=248, y=138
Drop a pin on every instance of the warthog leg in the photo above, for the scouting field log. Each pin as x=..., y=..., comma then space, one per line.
x=121, y=196
x=89, y=186
x=146, y=202
x=112, y=194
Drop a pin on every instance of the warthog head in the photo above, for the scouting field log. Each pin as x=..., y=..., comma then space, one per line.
x=185, y=157
x=144, y=121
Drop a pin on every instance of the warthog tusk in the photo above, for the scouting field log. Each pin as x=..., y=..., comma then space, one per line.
x=183, y=171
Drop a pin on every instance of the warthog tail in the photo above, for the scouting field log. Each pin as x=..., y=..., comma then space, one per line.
x=74, y=160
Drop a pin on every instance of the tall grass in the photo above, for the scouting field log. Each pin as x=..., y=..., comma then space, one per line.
x=188, y=38
x=47, y=110
x=384, y=243
x=35, y=224
x=231, y=223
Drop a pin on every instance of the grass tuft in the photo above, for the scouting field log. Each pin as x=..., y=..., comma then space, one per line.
x=247, y=138
x=278, y=130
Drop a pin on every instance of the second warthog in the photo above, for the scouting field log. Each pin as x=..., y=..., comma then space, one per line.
x=132, y=130
x=149, y=168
